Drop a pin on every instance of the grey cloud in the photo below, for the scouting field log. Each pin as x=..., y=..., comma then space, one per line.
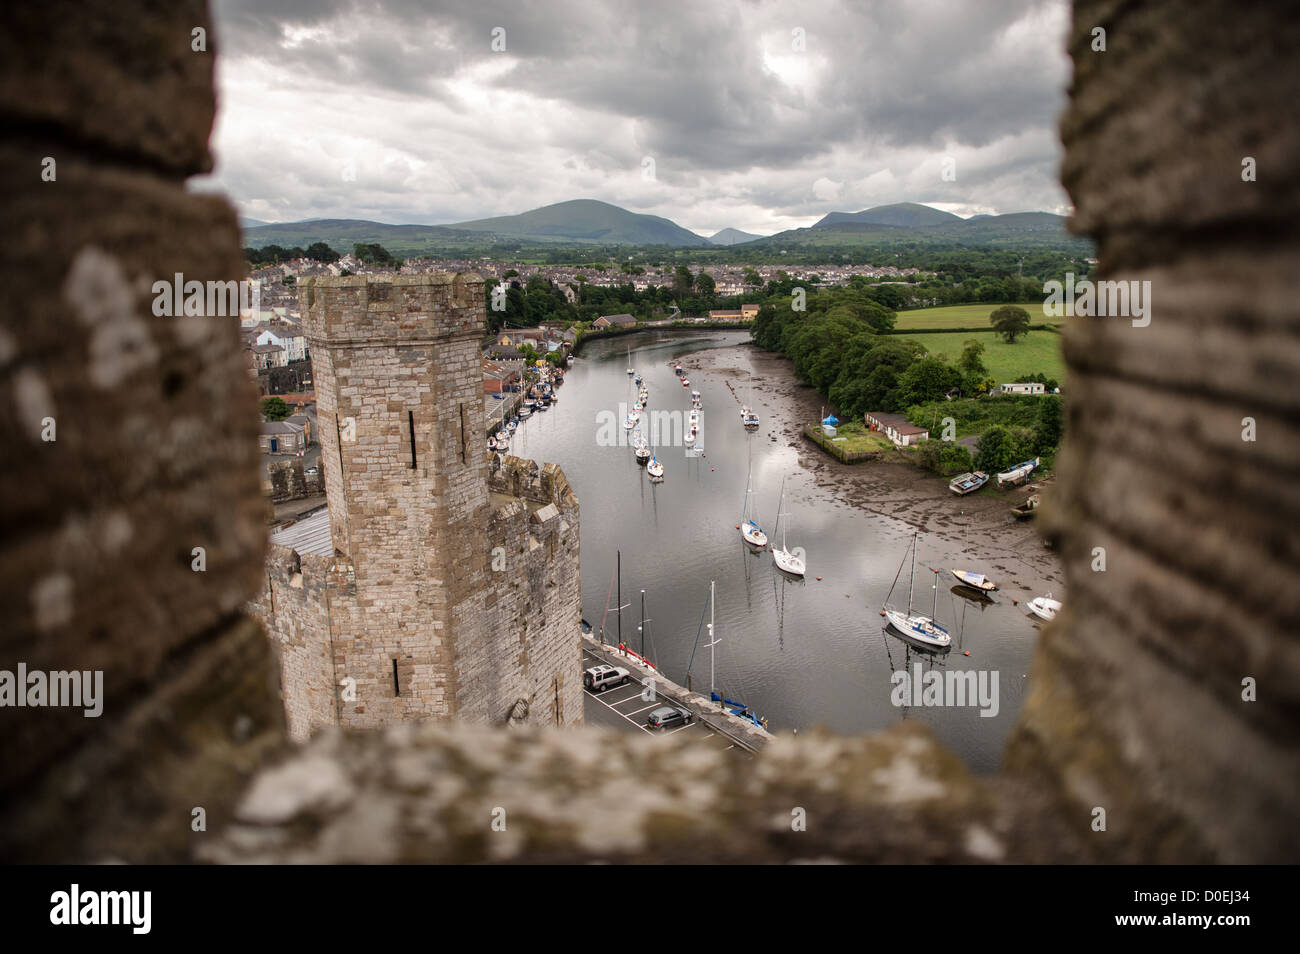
x=684, y=83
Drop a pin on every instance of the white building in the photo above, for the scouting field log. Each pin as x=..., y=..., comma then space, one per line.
x=1024, y=387
x=287, y=337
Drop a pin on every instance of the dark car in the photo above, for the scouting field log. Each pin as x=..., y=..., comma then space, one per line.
x=666, y=716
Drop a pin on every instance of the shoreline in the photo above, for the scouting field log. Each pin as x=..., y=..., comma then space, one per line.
x=980, y=526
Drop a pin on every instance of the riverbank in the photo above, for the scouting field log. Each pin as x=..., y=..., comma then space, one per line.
x=979, y=526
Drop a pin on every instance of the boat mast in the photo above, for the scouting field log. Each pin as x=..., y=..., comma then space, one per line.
x=935, y=605
x=912, y=580
x=712, y=642
x=780, y=507
x=620, y=598
x=642, y=626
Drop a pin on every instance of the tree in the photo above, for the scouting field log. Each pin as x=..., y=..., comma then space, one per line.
x=752, y=277
x=275, y=408
x=320, y=252
x=705, y=286
x=997, y=451
x=683, y=282
x=970, y=357
x=373, y=254
x=926, y=380
x=1050, y=426
x=1010, y=321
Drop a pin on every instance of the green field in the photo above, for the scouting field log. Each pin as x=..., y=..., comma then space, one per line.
x=1036, y=351
x=964, y=316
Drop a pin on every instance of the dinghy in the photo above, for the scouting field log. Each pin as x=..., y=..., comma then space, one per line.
x=1026, y=510
x=968, y=483
x=976, y=581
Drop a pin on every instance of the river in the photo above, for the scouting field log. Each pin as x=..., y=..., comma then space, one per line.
x=800, y=653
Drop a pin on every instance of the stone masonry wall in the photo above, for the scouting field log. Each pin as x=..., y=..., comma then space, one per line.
x=533, y=608
x=294, y=609
x=437, y=605
x=407, y=495
x=106, y=112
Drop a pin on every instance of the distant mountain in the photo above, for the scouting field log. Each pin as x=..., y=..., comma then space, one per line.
x=250, y=223
x=733, y=237
x=585, y=220
x=342, y=234
x=905, y=214
x=914, y=223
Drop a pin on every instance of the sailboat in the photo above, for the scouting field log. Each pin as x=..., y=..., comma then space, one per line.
x=642, y=449
x=921, y=629
x=731, y=705
x=784, y=558
x=654, y=468
x=752, y=533
x=630, y=370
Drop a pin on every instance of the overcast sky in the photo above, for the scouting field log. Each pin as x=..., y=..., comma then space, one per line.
x=756, y=115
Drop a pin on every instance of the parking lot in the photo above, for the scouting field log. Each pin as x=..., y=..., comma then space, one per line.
x=624, y=707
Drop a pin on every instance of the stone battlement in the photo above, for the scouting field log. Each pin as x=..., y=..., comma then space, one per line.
x=359, y=309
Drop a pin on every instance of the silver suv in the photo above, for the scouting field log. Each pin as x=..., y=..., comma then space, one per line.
x=601, y=677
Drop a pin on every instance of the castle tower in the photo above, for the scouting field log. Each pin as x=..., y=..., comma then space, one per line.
x=412, y=610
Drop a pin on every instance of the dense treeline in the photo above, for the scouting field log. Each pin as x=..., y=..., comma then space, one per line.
x=275, y=254
x=538, y=299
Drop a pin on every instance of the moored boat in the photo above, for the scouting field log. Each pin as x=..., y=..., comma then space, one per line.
x=790, y=561
x=1017, y=473
x=1027, y=509
x=976, y=581
x=749, y=530
x=922, y=630
x=1044, y=607
x=968, y=483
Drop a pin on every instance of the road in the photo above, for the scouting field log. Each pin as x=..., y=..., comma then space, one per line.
x=625, y=707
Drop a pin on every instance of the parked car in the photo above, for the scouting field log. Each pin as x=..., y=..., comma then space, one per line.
x=312, y=471
x=666, y=716
x=599, y=678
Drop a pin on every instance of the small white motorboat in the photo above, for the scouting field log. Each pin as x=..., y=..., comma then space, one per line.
x=1044, y=607
x=655, y=469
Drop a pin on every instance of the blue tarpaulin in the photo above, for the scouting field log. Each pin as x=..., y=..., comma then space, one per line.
x=831, y=420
